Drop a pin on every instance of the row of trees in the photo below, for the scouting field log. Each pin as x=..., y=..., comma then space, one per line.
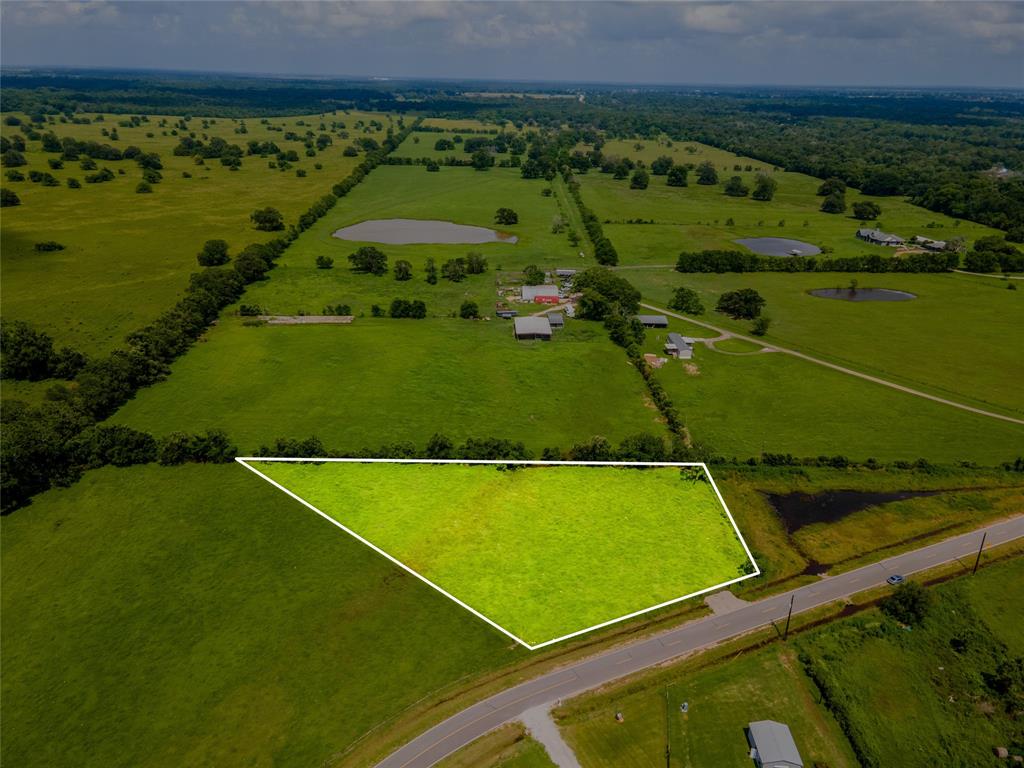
x=742, y=261
x=604, y=251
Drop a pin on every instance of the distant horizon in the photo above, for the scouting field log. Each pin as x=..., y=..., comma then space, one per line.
x=891, y=44
x=42, y=69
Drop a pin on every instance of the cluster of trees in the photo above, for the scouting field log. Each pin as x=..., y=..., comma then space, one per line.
x=834, y=192
x=402, y=308
x=267, y=219
x=604, y=251
x=214, y=253
x=742, y=261
x=29, y=355
x=994, y=253
x=603, y=293
x=458, y=268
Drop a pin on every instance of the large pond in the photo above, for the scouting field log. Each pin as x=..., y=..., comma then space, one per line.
x=862, y=294
x=779, y=246
x=411, y=231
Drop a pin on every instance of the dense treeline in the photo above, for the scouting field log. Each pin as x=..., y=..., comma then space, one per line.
x=53, y=443
x=742, y=261
x=604, y=251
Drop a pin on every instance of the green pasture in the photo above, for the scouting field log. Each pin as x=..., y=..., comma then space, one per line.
x=462, y=195
x=696, y=217
x=508, y=747
x=911, y=696
x=128, y=256
x=197, y=616
x=383, y=381
x=465, y=124
x=541, y=551
x=956, y=339
x=749, y=402
x=723, y=700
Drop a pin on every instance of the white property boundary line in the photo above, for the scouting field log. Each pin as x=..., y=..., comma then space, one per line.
x=244, y=461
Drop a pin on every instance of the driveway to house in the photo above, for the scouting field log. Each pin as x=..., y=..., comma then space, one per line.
x=511, y=704
x=840, y=368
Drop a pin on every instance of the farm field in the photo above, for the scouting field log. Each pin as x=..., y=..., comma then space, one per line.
x=385, y=380
x=741, y=402
x=219, y=623
x=461, y=195
x=128, y=256
x=695, y=217
x=723, y=699
x=543, y=552
x=953, y=340
x=914, y=698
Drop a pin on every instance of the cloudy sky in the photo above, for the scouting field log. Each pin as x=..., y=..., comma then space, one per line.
x=827, y=42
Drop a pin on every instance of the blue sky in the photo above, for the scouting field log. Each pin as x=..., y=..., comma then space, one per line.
x=827, y=42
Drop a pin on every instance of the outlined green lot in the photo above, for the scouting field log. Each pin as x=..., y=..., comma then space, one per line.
x=541, y=551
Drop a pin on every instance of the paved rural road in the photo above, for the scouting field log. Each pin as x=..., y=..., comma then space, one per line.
x=841, y=369
x=473, y=722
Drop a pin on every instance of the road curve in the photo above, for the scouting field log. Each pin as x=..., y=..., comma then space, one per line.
x=841, y=369
x=508, y=705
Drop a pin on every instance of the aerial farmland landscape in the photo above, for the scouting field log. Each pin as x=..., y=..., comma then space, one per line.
x=512, y=385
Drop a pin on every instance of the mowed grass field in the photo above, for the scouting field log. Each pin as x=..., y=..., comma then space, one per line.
x=747, y=402
x=696, y=217
x=383, y=381
x=461, y=195
x=723, y=700
x=957, y=339
x=196, y=615
x=128, y=256
x=544, y=552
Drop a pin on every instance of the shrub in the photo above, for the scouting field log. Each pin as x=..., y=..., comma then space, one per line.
x=143, y=187
x=324, y=262
x=267, y=219
x=49, y=245
x=469, y=310
x=8, y=198
x=506, y=216
x=760, y=327
x=909, y=603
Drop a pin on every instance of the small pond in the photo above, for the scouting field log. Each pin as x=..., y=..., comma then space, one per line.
x=862, y=294
x=411, y=231
x=799, y=509
x=779, y=246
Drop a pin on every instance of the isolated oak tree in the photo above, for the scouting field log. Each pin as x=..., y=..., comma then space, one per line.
x=707, y=174
x=506, y=216
x=677, y=176
x=403, y=270
x=267, y=219
x=764, y=187
x=370, y=260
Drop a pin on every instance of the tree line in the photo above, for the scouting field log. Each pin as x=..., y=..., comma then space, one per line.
x=741, y=261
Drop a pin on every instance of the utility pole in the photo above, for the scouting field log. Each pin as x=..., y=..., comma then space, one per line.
x=788, y=617
x=977, y=560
